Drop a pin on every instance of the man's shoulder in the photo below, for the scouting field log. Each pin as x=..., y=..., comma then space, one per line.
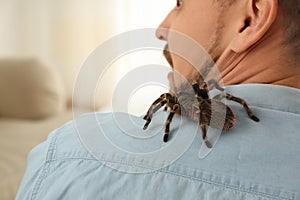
x=116, y=142
x=66, y=141
x=91, y=133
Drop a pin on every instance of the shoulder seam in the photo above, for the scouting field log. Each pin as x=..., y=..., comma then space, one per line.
x=203, y=180
x=46, y=165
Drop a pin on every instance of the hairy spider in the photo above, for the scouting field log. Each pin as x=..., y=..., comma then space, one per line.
x=197, y=105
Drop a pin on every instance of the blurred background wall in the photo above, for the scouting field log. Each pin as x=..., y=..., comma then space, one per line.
x=63, y=33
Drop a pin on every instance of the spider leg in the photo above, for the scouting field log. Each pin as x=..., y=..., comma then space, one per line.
x=204, y=137
x=215, y=84
x=152, y=110
x=240, y=101
x=169, y=120
x=158, y=100
x=203, y=123
x=202, y=97
x=165, y=108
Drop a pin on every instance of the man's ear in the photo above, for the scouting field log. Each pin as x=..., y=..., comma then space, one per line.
x=256, y=19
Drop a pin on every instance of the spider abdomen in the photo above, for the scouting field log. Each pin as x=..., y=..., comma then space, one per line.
x=214, y=113
x=221, y=116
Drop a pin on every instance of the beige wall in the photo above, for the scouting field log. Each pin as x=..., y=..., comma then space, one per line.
x=64, y=32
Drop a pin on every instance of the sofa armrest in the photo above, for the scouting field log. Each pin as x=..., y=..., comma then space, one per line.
x=29, y=89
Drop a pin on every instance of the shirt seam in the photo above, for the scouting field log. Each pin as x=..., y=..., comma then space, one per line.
x=206, y=181
x=231, y=187
x=275, y=108
x=46, y=165
x=183, y=176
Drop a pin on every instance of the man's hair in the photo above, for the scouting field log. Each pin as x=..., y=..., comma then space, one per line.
x=291, y=14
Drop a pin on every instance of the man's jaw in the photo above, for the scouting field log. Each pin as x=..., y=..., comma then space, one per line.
x=167, y=55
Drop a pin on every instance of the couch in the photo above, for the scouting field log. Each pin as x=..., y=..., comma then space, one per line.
x=32, y=104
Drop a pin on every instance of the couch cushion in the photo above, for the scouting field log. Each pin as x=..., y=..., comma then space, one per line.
x=29, y=89
x=17, y=138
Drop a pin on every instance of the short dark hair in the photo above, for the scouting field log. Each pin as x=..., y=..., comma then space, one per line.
x=291, y=14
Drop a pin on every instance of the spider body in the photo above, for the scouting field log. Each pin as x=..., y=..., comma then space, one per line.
x=195, y=104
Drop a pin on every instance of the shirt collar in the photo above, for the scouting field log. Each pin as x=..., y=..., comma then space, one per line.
x=277, y=97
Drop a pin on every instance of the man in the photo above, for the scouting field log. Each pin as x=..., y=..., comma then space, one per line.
x=255, y=45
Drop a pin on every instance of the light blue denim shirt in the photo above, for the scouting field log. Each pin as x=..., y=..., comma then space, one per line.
x=109, y=156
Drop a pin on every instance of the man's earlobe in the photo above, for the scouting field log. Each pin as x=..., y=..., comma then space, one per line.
x=258, y=16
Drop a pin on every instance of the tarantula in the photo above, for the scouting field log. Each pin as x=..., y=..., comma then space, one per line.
x=198, y=107
x=192, y=101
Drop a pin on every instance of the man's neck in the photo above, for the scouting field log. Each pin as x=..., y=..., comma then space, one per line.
x=262, y=63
